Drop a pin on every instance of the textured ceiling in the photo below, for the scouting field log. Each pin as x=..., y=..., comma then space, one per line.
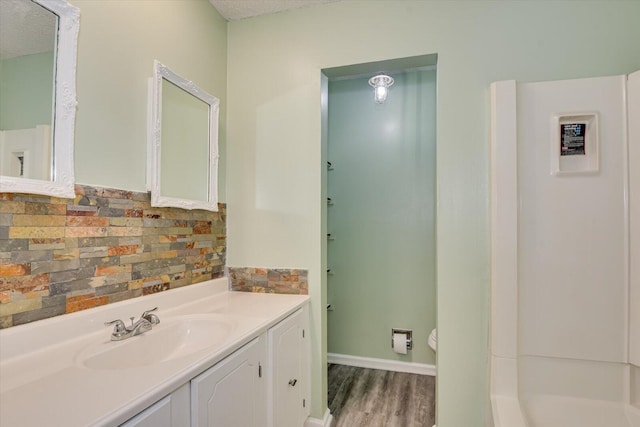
x=25, y=28
x=238, y=9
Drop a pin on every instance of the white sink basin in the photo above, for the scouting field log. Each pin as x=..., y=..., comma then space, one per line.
x=172, y=339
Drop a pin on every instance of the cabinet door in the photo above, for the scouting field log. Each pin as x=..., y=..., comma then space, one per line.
x=233, y=392
x=288, y=351
x=171, y=411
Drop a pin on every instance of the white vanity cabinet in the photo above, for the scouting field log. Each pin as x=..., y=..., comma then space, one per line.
x=233, y=392
x=170, y=411
x=264, y=383
x=288, y=371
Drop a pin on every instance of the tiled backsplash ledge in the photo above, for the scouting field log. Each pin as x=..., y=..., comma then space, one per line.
x=60, y=255
x=279, y=281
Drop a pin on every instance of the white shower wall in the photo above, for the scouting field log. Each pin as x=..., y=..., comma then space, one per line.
x=565, y=266
x=572, y=229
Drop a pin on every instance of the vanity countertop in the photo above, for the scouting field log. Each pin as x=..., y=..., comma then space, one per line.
x=45, y=380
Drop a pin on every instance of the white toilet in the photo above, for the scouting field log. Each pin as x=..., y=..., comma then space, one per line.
x=433, y=339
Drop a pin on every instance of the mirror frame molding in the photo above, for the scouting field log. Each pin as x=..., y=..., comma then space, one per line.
x=154, y=145
x=63, y=174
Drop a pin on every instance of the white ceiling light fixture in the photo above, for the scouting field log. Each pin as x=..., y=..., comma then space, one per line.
x=380, y=84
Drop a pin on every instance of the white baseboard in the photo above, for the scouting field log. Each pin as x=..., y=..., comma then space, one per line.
x=326, y=421
x=386, y=365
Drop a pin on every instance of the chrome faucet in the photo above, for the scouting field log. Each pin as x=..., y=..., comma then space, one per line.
x=144, y=324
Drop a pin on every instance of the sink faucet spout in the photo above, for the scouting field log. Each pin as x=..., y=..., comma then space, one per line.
x=144, y=324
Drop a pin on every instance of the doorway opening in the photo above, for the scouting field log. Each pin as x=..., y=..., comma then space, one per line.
x=380, y=219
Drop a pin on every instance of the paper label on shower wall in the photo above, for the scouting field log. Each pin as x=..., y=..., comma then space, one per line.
x=572, y=139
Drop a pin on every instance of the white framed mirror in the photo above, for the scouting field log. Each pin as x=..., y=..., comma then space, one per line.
x=182, y=161
x=38, y=48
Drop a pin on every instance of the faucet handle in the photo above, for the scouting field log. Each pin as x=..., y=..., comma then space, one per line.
x=152, y=318
x=149, y=311
x=119, y=327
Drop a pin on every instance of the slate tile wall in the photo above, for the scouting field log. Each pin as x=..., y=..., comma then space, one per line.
x=269, y=280
x=58, y=256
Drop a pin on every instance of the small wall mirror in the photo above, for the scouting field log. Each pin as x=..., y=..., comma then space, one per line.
x=183, y=143
x=38, y=45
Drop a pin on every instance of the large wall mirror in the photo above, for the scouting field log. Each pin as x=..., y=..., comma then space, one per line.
x=38, y=44
x=183, y=143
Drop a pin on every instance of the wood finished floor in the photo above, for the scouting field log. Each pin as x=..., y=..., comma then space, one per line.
x=360, y=397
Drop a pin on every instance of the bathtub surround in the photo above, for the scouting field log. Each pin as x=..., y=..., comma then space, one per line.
x=561, y=328
x=59, y=256
x=268, y=280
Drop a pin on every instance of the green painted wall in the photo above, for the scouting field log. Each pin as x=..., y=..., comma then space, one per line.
x=383, y=190
x=276, y=157
x=118, y=42
x=26, y=91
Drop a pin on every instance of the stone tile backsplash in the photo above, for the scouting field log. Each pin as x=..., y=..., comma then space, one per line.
x=60, y=255
x=279, y=281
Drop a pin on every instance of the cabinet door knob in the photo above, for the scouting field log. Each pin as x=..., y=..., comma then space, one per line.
x=293, y=382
